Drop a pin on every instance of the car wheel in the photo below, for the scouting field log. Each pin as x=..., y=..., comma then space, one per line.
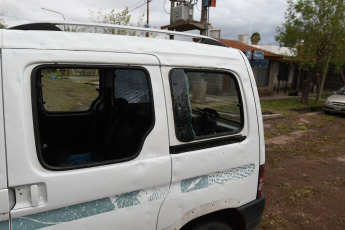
x=210, y=225
x=327, y=112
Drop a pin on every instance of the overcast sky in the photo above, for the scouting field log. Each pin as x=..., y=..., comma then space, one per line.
x=233, y=17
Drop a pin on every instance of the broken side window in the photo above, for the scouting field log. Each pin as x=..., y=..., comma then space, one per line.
x=205, y=104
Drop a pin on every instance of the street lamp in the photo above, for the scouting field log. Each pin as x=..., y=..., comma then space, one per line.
x=54, y=12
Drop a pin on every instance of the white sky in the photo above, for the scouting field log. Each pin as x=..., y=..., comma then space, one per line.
x=233, y=17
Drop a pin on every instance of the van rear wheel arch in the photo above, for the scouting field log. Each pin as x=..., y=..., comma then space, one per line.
x=210, y=225
x=221, y=220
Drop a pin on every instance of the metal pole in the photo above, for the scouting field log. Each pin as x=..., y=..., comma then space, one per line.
x=147, y=19
x=172, y=4
x=54, y=12
x=208, y=21
x=203, y=18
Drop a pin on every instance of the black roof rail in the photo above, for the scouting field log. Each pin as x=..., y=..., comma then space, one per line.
x=212, y=42
x=36, y=26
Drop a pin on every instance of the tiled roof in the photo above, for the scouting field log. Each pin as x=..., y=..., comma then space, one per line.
x=244, y=47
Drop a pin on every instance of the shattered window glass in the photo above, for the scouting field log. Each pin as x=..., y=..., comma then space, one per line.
x=131, y=85
x=205, y=104
x=182, y=106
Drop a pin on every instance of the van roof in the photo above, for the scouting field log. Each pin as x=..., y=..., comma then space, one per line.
x=47, y=36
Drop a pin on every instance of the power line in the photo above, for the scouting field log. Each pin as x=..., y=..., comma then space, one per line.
x=140, y=6
x=135, y=4
x=164, y=7
x=11, y=11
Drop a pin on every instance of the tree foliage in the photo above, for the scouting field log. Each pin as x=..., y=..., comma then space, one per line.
x=117, y=18
x=316, y=28
x=255, y=38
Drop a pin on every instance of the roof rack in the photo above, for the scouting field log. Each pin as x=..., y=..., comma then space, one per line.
x=53, y=27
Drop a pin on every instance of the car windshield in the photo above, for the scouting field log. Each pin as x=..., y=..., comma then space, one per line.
x=341, y=91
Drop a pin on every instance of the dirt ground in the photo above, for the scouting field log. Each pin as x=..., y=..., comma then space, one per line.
x=305, y=172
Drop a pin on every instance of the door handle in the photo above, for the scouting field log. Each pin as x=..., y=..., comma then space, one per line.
x=32, y=195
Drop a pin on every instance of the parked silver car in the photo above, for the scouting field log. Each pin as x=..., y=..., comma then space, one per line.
x=336, y=102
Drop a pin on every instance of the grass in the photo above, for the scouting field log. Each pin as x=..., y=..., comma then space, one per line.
x=284, y=106
x=230, y=108
x=66, y=95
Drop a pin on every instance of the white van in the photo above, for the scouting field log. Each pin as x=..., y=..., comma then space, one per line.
x=101, y=131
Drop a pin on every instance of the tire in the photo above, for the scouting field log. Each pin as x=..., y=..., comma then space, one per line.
x=326, y=112
x=210, y=225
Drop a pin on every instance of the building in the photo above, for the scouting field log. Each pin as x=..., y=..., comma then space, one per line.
x=281, y=75
x=264, y=76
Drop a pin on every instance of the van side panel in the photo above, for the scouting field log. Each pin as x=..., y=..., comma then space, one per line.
x=4, y=198
x=258, y=109
x=3, y=173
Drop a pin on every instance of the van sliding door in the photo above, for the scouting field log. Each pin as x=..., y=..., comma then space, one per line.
x=87, y=143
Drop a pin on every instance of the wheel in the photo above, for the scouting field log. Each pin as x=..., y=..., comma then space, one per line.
x=210, y=225
x=326, y=112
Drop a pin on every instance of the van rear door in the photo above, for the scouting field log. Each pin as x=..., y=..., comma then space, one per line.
x=4, y=199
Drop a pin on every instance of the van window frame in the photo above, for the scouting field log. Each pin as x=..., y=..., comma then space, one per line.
x=34, y=87
x=219, y=136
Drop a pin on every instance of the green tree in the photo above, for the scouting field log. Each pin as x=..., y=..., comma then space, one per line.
x=255, y=38
x=117, y=18
x=316, y=29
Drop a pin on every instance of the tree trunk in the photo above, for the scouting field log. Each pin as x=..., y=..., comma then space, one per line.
x=306, y=89
x=298, y=80
x=340, y=71
x=322, y=80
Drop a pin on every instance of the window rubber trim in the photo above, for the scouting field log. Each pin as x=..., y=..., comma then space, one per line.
x=177, y=149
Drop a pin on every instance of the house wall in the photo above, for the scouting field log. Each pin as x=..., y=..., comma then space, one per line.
x=273, y=72
x=291, y=79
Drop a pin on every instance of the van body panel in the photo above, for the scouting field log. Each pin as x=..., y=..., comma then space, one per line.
x=1, y=34
x=257, y=108
x=3, y=170
x=221, y=177
x=4, y=197
x=169, y=52
x=4, y=225
x=94, y=192
x=156, y=190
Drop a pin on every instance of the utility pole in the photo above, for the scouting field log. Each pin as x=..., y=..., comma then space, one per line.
x=204, y=19
x=147, y=20
x=172, y=4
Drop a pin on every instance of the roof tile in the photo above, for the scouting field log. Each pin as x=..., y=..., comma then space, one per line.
x=244, y=47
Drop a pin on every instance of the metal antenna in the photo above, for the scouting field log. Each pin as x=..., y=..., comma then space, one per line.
x=55, y=12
